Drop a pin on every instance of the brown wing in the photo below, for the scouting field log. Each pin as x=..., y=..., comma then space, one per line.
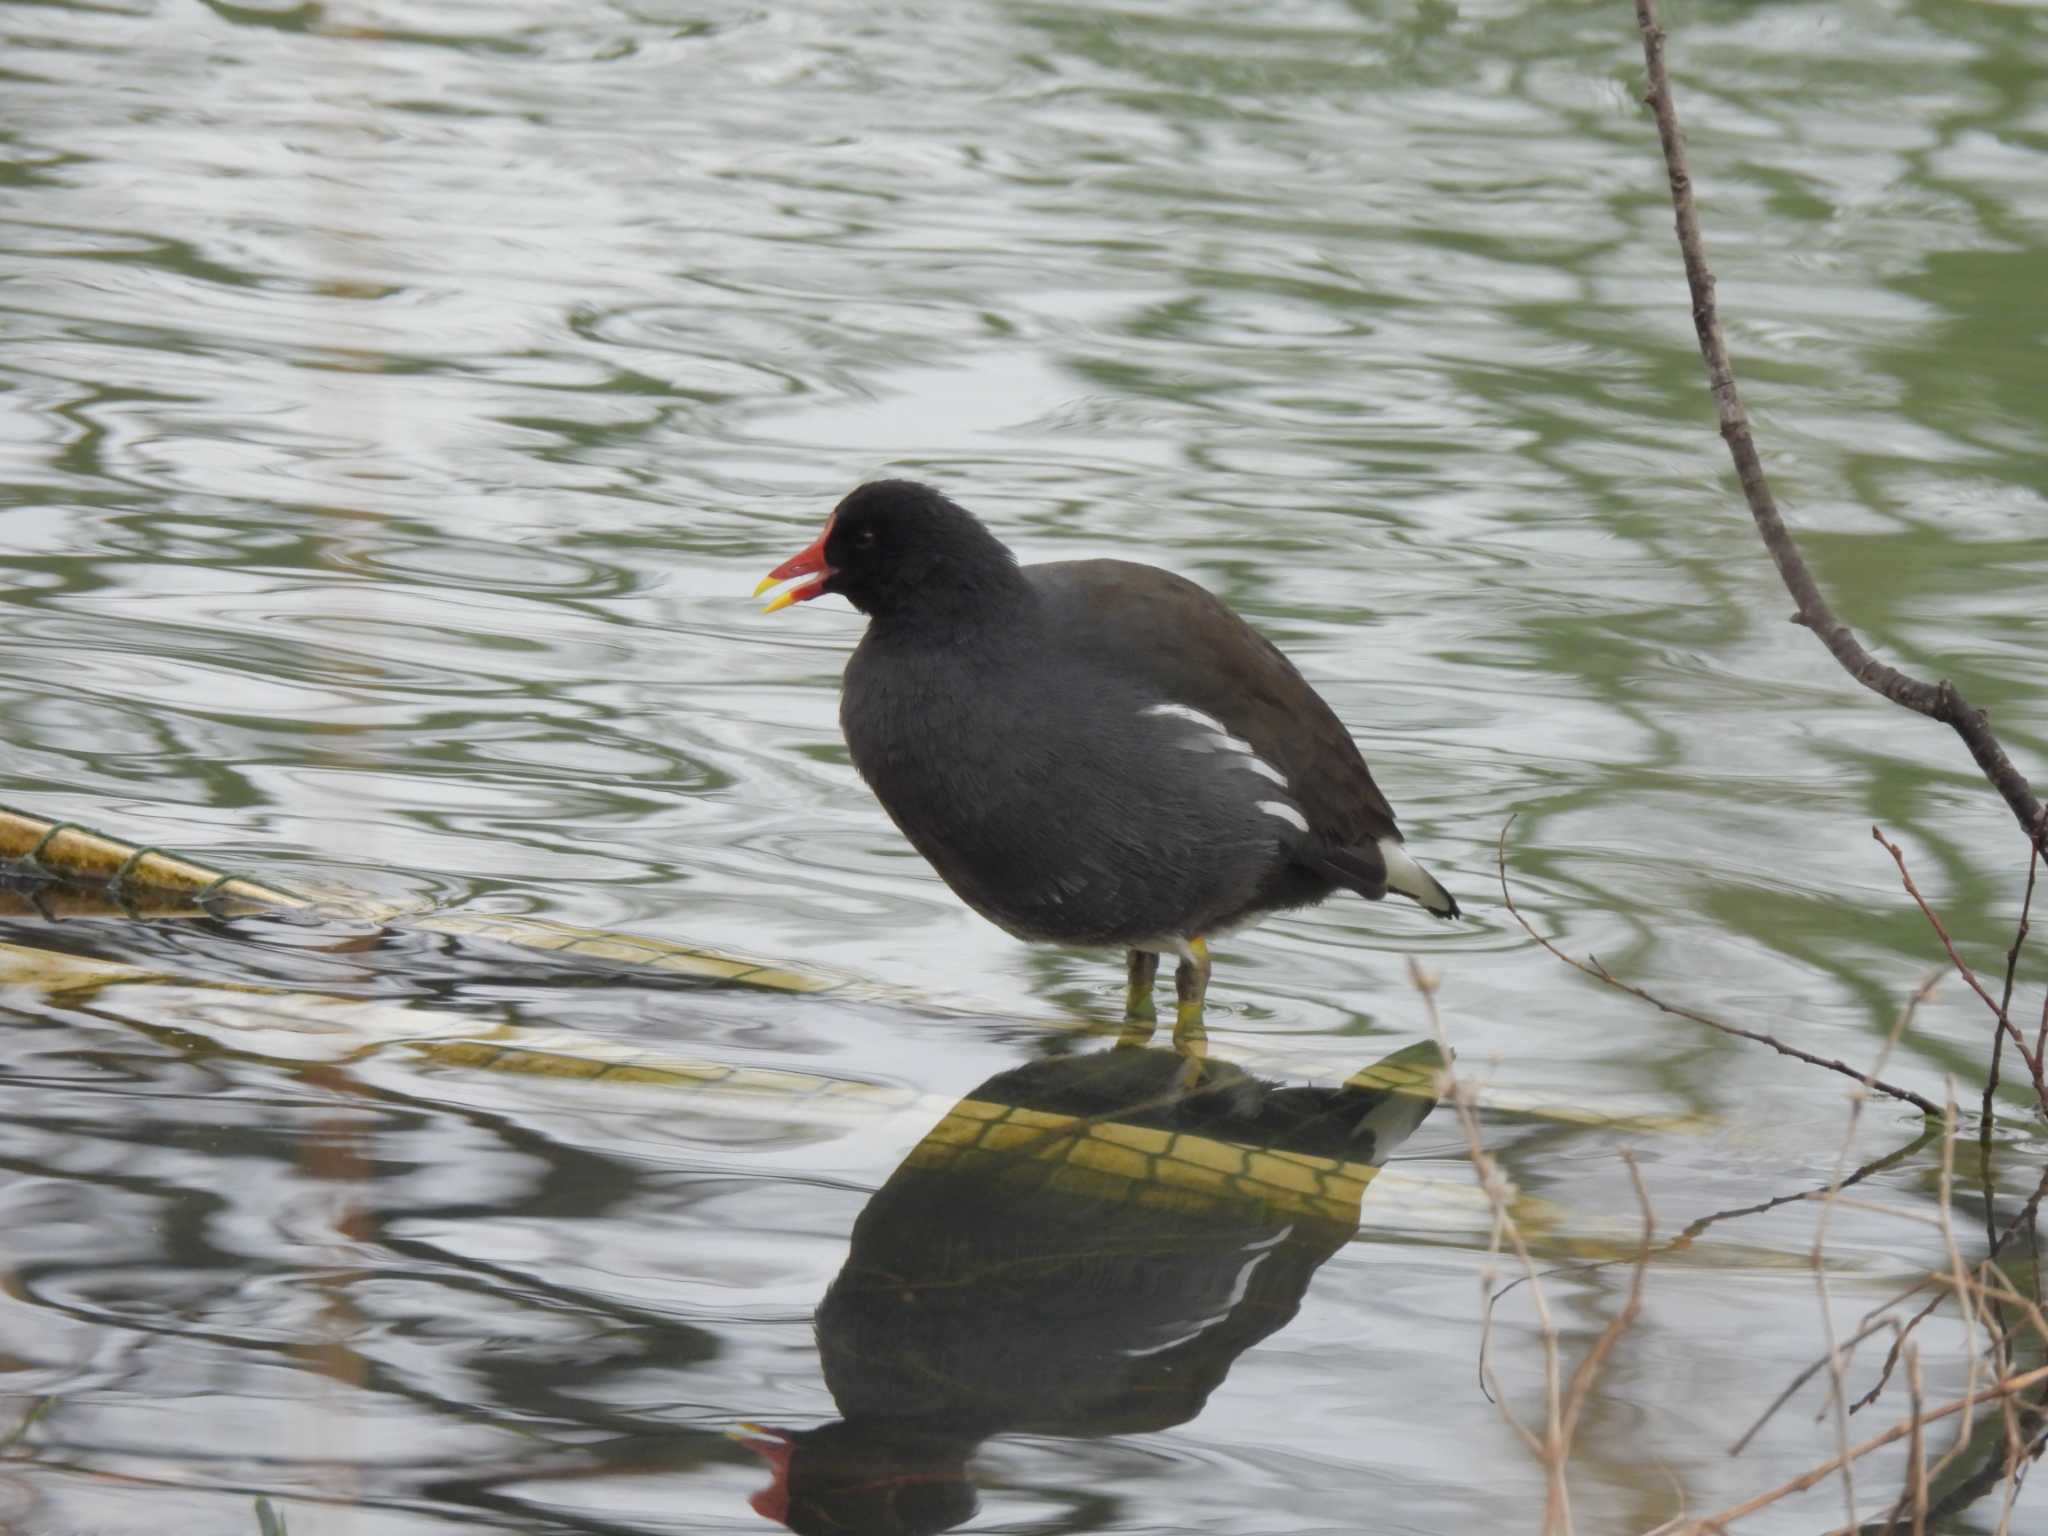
x=1182, y=641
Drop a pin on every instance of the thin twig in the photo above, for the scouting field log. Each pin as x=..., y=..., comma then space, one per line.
x=1875, y=1325
x=1988, y=1116
x=1599, y=972
x=2041, y=1037
x=1891, y=1359
x=1947, y=943
x=1685, y=1239
x=1997, y=1326
x=2025, y=1217
x=2004, y=1022
x=1938, y=701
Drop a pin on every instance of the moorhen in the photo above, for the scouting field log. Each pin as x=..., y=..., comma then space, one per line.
x=1091, y=752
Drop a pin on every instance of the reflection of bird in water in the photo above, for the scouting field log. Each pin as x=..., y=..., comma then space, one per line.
x=1082, y=1247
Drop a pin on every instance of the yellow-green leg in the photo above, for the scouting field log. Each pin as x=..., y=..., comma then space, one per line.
x=1141, y=969
x=1191, y=986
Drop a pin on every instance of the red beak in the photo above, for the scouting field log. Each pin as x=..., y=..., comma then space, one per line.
x=775, y=1447
x=806, y=562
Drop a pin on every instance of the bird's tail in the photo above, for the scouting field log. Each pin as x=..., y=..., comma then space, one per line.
x=1373, y=869
x=1410, y=879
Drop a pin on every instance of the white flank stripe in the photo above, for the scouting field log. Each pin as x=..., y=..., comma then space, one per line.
x=1286, y=812
x=1218, y=739
x=1183, y=712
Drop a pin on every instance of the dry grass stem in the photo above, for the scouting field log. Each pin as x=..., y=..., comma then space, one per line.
x=1897, y=1213
x=1499, y=1198
x=1564, y=1401
x=2022, y=1433
x=1958, y=1275
x=1711, y=1525
x=1917, y=1455
x=1838, y=1389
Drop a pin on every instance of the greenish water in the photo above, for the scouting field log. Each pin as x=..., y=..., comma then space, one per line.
x=397, y=403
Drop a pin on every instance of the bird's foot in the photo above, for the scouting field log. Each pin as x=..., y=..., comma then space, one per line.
x=1191, y=1039
x=1191, y=988
x=1141, y=969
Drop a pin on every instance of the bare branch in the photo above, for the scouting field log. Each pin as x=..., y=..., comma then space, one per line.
x=1938, y=701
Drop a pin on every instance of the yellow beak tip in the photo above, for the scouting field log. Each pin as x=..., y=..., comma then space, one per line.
x=781, y=602
x=766, y=583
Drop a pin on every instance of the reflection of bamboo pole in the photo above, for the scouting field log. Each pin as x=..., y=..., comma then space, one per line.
x=1192, y=1167
x=69, y=903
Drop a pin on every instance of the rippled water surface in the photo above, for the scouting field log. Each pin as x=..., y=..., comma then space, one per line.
x=397, y=403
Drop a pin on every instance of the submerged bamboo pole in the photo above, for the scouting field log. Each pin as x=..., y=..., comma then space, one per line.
x=65, y=870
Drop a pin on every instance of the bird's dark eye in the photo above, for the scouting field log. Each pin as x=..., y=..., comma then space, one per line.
x=863, y=538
